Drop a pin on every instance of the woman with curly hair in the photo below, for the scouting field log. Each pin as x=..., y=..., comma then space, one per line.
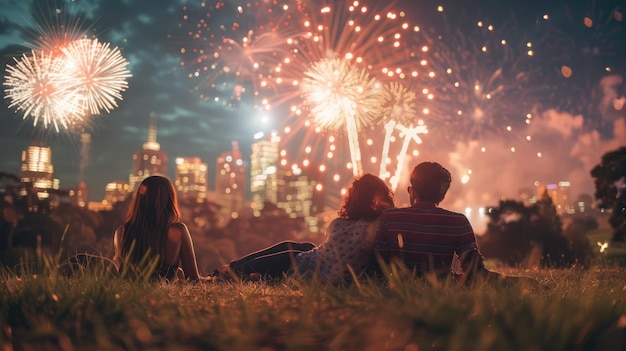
x=348, y=245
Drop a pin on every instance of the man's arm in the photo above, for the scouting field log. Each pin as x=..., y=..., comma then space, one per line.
x=470, y=257
x=471, y=261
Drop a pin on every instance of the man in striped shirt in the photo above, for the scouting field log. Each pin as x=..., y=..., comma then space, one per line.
x=425, y=237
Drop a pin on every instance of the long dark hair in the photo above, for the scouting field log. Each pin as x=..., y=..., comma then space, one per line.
x=361, y=201
x=152, y=212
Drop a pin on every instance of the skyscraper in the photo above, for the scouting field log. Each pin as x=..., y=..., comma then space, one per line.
x=230, y=184
x=274, y=181
x=38, y=170
x=297, y=196
x=150, y=160
x=191, y=178
x=560, y=194
x=37, y=174
x=264, y=171
x=116, y=191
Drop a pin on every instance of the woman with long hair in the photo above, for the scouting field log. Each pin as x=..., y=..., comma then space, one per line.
x=348, y=246
x=152, y=230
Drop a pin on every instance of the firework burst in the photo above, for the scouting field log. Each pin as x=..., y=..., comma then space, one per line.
x=32, y=86
x=54, y=27
x=401, y=102
x=228, y=47
x=336, y=91
x=482, y=82
x=403, y=107
x=340, y=95
x=333, y=80
x=67, y=78
x=96, y=73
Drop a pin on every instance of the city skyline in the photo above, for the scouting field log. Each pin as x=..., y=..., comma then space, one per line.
x=191, y=175
x=569, y=139
x=290, y=190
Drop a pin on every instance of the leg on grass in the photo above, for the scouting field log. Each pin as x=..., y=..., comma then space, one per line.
x=272, y=261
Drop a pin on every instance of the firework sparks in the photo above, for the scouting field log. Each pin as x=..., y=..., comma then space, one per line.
x=340, y=94
x=55, y=28
x=401, y=105
x=410, y=133
x=96, y=73
x=66, y=78
x=333, y=81
x=228, y=48
x=33, y=88
x=483, y=78
x=401, y=101
x=325, y=65
x=584, y=44
x=384, y=159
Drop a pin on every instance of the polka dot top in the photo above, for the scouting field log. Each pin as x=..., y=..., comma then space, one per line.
x=348, y=243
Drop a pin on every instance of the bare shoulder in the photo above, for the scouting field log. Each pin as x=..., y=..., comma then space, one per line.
x=177, y=230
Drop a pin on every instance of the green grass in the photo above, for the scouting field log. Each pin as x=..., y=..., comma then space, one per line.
x=93, y=310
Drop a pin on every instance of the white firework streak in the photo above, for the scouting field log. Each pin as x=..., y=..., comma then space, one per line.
x=389, y=127
x=33, y=87
x=410, y=133
x=96, y=73
x=353, y=137
x=400, y=106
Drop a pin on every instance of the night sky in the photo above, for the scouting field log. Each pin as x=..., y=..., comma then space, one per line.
x=575, y=119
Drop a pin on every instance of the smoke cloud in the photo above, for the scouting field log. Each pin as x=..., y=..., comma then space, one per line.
x=85, y=149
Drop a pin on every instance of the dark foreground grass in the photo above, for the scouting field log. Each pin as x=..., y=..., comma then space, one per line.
x=92, y=310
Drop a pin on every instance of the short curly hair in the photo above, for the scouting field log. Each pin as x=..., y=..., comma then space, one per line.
x=361, y=200
x=430, y=181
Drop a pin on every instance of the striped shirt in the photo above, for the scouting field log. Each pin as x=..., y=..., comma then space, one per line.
x=424, y=237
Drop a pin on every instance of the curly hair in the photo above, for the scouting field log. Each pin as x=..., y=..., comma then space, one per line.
x=363, y=199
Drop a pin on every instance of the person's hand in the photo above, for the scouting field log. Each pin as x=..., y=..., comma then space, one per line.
x=223, y=270
x=207, y=279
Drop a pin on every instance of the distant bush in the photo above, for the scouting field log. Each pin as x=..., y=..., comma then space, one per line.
x=532, y=236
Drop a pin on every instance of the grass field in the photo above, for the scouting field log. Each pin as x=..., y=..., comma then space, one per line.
x=92, y=310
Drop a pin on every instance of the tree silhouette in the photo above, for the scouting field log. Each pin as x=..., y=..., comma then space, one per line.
x=547, y=229
x=272, y=226
x=576, y=234
x=212, y=248
x=506, y=237
x=37, y=230
x=609, y=178
x=111, y=219
x=10, y=207
x=517, y=235
x=81, y=226
x=202, y=216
